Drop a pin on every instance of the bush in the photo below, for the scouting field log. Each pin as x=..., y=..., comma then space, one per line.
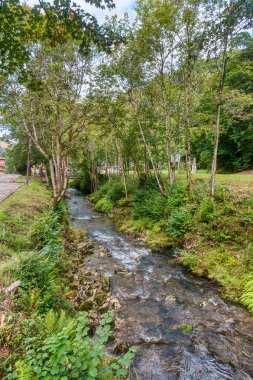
x=63, y=349
x=115, y=192
x=101, y=192
x=104, y=205
x=207, y=210
x=200, y=191
x=177, y=196
x=148, y=204
x=37, y=270
x=47, y=228
x=180, y=220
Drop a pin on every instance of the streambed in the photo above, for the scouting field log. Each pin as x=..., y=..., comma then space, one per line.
x=181, y=326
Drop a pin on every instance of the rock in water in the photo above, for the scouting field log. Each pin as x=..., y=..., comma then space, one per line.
x=86, y=247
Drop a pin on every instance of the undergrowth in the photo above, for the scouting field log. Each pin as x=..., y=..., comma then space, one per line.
x=42, y=334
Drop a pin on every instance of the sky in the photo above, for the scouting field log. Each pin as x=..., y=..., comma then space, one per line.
x=121, y=6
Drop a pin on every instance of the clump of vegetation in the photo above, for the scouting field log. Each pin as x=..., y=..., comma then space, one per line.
x=179, y=222
x=64, y=348
x=109, y=194
x=104, y=205
x=187, y=329
x=207, y=209
x=247, y=295
x=148, y=204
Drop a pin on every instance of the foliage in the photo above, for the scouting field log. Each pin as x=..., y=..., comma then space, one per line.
x=247, y=295
x=104, y=205
x=179, y=222
x=188, y=329
x=149, y=204
x=67, y=351
x=45, y=336
x=47, y=228
x=207, y=209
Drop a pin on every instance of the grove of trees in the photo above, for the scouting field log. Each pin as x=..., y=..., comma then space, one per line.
x=178, y=81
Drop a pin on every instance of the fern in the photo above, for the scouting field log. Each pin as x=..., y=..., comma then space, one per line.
x=30, y=300
x=247, y=297
x=55, y=323
x=24, y=372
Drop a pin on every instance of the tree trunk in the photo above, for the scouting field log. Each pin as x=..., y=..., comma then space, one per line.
x=217, y=130
x=52, y=176
x=122, y=166
x=150, y=157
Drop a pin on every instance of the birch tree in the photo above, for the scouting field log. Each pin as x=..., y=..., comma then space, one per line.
x=48, y=108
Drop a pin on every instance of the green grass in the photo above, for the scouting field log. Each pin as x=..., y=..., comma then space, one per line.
x=17, y=214
x=234, y=180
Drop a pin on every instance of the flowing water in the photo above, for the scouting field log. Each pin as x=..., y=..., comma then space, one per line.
x=183, y=329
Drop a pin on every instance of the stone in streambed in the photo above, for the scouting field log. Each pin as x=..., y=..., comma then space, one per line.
x=86, y=247
x=86, y=305
x=121, y=348
x=103, y=251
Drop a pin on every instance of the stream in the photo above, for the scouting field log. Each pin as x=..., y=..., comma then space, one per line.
x=181, y=326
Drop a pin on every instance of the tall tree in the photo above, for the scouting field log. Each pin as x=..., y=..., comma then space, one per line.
x=230, y=19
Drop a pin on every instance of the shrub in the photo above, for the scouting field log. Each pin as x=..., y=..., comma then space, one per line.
x=47, y=227
x=177, y=196
x=150, y=204
x=180, y=220
x=70, y=352
x=207, y=210
x=101, y=192
x=37, y=270
x=104, y=205
x=220, y=193
x=200, y=190
x=115, y=192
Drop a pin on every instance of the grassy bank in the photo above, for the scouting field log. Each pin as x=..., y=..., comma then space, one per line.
x=45, y=333
x=214, y=236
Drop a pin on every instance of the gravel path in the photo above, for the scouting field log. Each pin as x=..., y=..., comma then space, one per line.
x=7, y=185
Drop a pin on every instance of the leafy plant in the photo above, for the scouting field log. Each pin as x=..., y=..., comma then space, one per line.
x=148, y=203
x=247, y=296
x=70, y=352
x=104, y=205
x=47, y=227
x=207, y=209
x=179, y=221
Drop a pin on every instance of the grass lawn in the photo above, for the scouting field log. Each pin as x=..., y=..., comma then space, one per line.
x=235, y=180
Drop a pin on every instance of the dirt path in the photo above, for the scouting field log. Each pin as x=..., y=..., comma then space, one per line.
x=7, y=185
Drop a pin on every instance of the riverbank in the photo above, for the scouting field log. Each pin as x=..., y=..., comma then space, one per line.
x=51, y=300
x=179, y=323
x=213, y=237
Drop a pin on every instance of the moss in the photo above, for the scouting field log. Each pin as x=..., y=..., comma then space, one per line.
x=187, y=329
x=86, y=305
